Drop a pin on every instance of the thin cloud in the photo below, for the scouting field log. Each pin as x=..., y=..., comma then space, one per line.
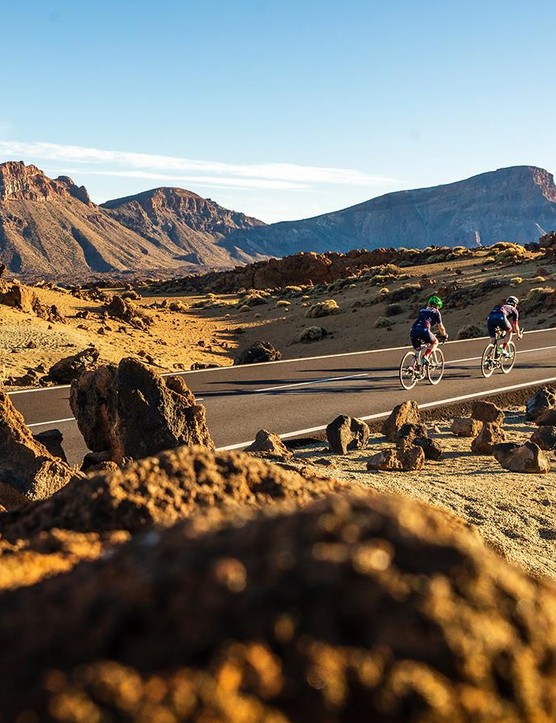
x=263, y=175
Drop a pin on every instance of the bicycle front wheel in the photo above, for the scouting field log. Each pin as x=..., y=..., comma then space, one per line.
x=507, y=363
x=435, y=366
x=487, y=360
x=407, y=372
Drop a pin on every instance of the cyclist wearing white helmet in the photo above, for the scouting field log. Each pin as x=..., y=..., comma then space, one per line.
x=504, y=317
x=421, y=331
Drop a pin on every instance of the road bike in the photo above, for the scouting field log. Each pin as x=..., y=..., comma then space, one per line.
x=494, y=357
x=415, y=366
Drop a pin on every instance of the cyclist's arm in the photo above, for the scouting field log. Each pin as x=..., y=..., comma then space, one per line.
x=442, y=329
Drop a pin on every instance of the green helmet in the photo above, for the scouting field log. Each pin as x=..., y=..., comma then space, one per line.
x=435, y=301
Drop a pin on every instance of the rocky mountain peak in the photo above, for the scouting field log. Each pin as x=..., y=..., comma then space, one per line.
x=19, y=182
x=162, y=206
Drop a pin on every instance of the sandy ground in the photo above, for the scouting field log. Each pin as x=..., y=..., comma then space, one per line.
x=514, y=513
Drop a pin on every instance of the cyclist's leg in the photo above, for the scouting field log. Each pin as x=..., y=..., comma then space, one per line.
x=432, y=343
x=493, y=326
x=507, y=335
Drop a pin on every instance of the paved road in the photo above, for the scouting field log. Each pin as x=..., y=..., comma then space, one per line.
x=301, y=396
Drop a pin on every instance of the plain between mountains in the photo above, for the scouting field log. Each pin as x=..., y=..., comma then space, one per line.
x=296, y=397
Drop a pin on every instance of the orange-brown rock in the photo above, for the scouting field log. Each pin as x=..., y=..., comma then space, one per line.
x=490, y=434
x=404, y=413
x=356, y=608
x=28, y=471
x=130, y=411
x=164, y=489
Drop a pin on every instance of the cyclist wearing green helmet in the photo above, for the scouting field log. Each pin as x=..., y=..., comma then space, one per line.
x=421, y=331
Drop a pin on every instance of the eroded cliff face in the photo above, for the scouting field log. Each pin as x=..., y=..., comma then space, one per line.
x=19, y=182
x=511, y=204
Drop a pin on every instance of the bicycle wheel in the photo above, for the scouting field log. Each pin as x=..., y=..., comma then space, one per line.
x=507, y=362
x=408, y=377
x=435, y=366
x=487, y=360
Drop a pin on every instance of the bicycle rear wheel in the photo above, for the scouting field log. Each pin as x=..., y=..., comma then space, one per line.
x=487, y=360
x=407, y=373
x=435, y=366
x=507, y=363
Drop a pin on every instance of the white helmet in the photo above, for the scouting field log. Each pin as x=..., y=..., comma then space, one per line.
x=512, y=300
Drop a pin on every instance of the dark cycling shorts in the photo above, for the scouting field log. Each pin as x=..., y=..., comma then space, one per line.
x=421, y=336
x=497, y=321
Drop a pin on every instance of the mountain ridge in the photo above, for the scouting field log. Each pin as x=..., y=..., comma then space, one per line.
x=479, y=210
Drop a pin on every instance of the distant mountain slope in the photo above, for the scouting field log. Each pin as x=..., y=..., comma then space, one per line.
x=511, y=204
x=51, y=227
x=184, y=219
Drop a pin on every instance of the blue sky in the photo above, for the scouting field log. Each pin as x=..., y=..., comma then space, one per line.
x=281, y=109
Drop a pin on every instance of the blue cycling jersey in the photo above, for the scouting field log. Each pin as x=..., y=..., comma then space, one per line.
x=507, y=310
x=426, y=318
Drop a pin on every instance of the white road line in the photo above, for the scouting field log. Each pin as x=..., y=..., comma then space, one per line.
x=53, y=421
x=383, y=415
x=312, y=381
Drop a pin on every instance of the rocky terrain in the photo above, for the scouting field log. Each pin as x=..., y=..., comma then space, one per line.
x=403, y=572
x=515, y=204
x=50, y=227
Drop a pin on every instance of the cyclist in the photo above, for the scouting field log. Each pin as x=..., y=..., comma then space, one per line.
x=421, y=331
x=506, y=318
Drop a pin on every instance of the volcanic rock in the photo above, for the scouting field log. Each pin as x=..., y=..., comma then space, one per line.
x=132, y=412
x=405, y=458
x=268, y=444
x=28, y=471
x=489, y=435
x=166, y=488
x=259, y=352
x=486, y=412
x=545, y=437
x=543, y=400
x=430, y=447
x=465, y=427
x=52, y=439
x=127, y=311
x=407, y=433
x=66, y=370
x=527, y=457
x=546, y=418
x=347, y=433
x=282, y=611
x=311, y=333
x=405, y=413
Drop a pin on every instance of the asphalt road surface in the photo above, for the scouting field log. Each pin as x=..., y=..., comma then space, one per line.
x=301, y=396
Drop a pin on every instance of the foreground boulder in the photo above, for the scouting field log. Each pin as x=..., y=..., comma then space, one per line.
x=356, y=608
x=405, y=413
x=164, y=489
x=527, y=457
x=131, y=411
x=347, y=433
x=543, y=400
x=260, y=351
x=28, y=471
x=546, y=418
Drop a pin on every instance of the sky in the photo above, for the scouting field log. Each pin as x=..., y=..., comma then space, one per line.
x=281, y=109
